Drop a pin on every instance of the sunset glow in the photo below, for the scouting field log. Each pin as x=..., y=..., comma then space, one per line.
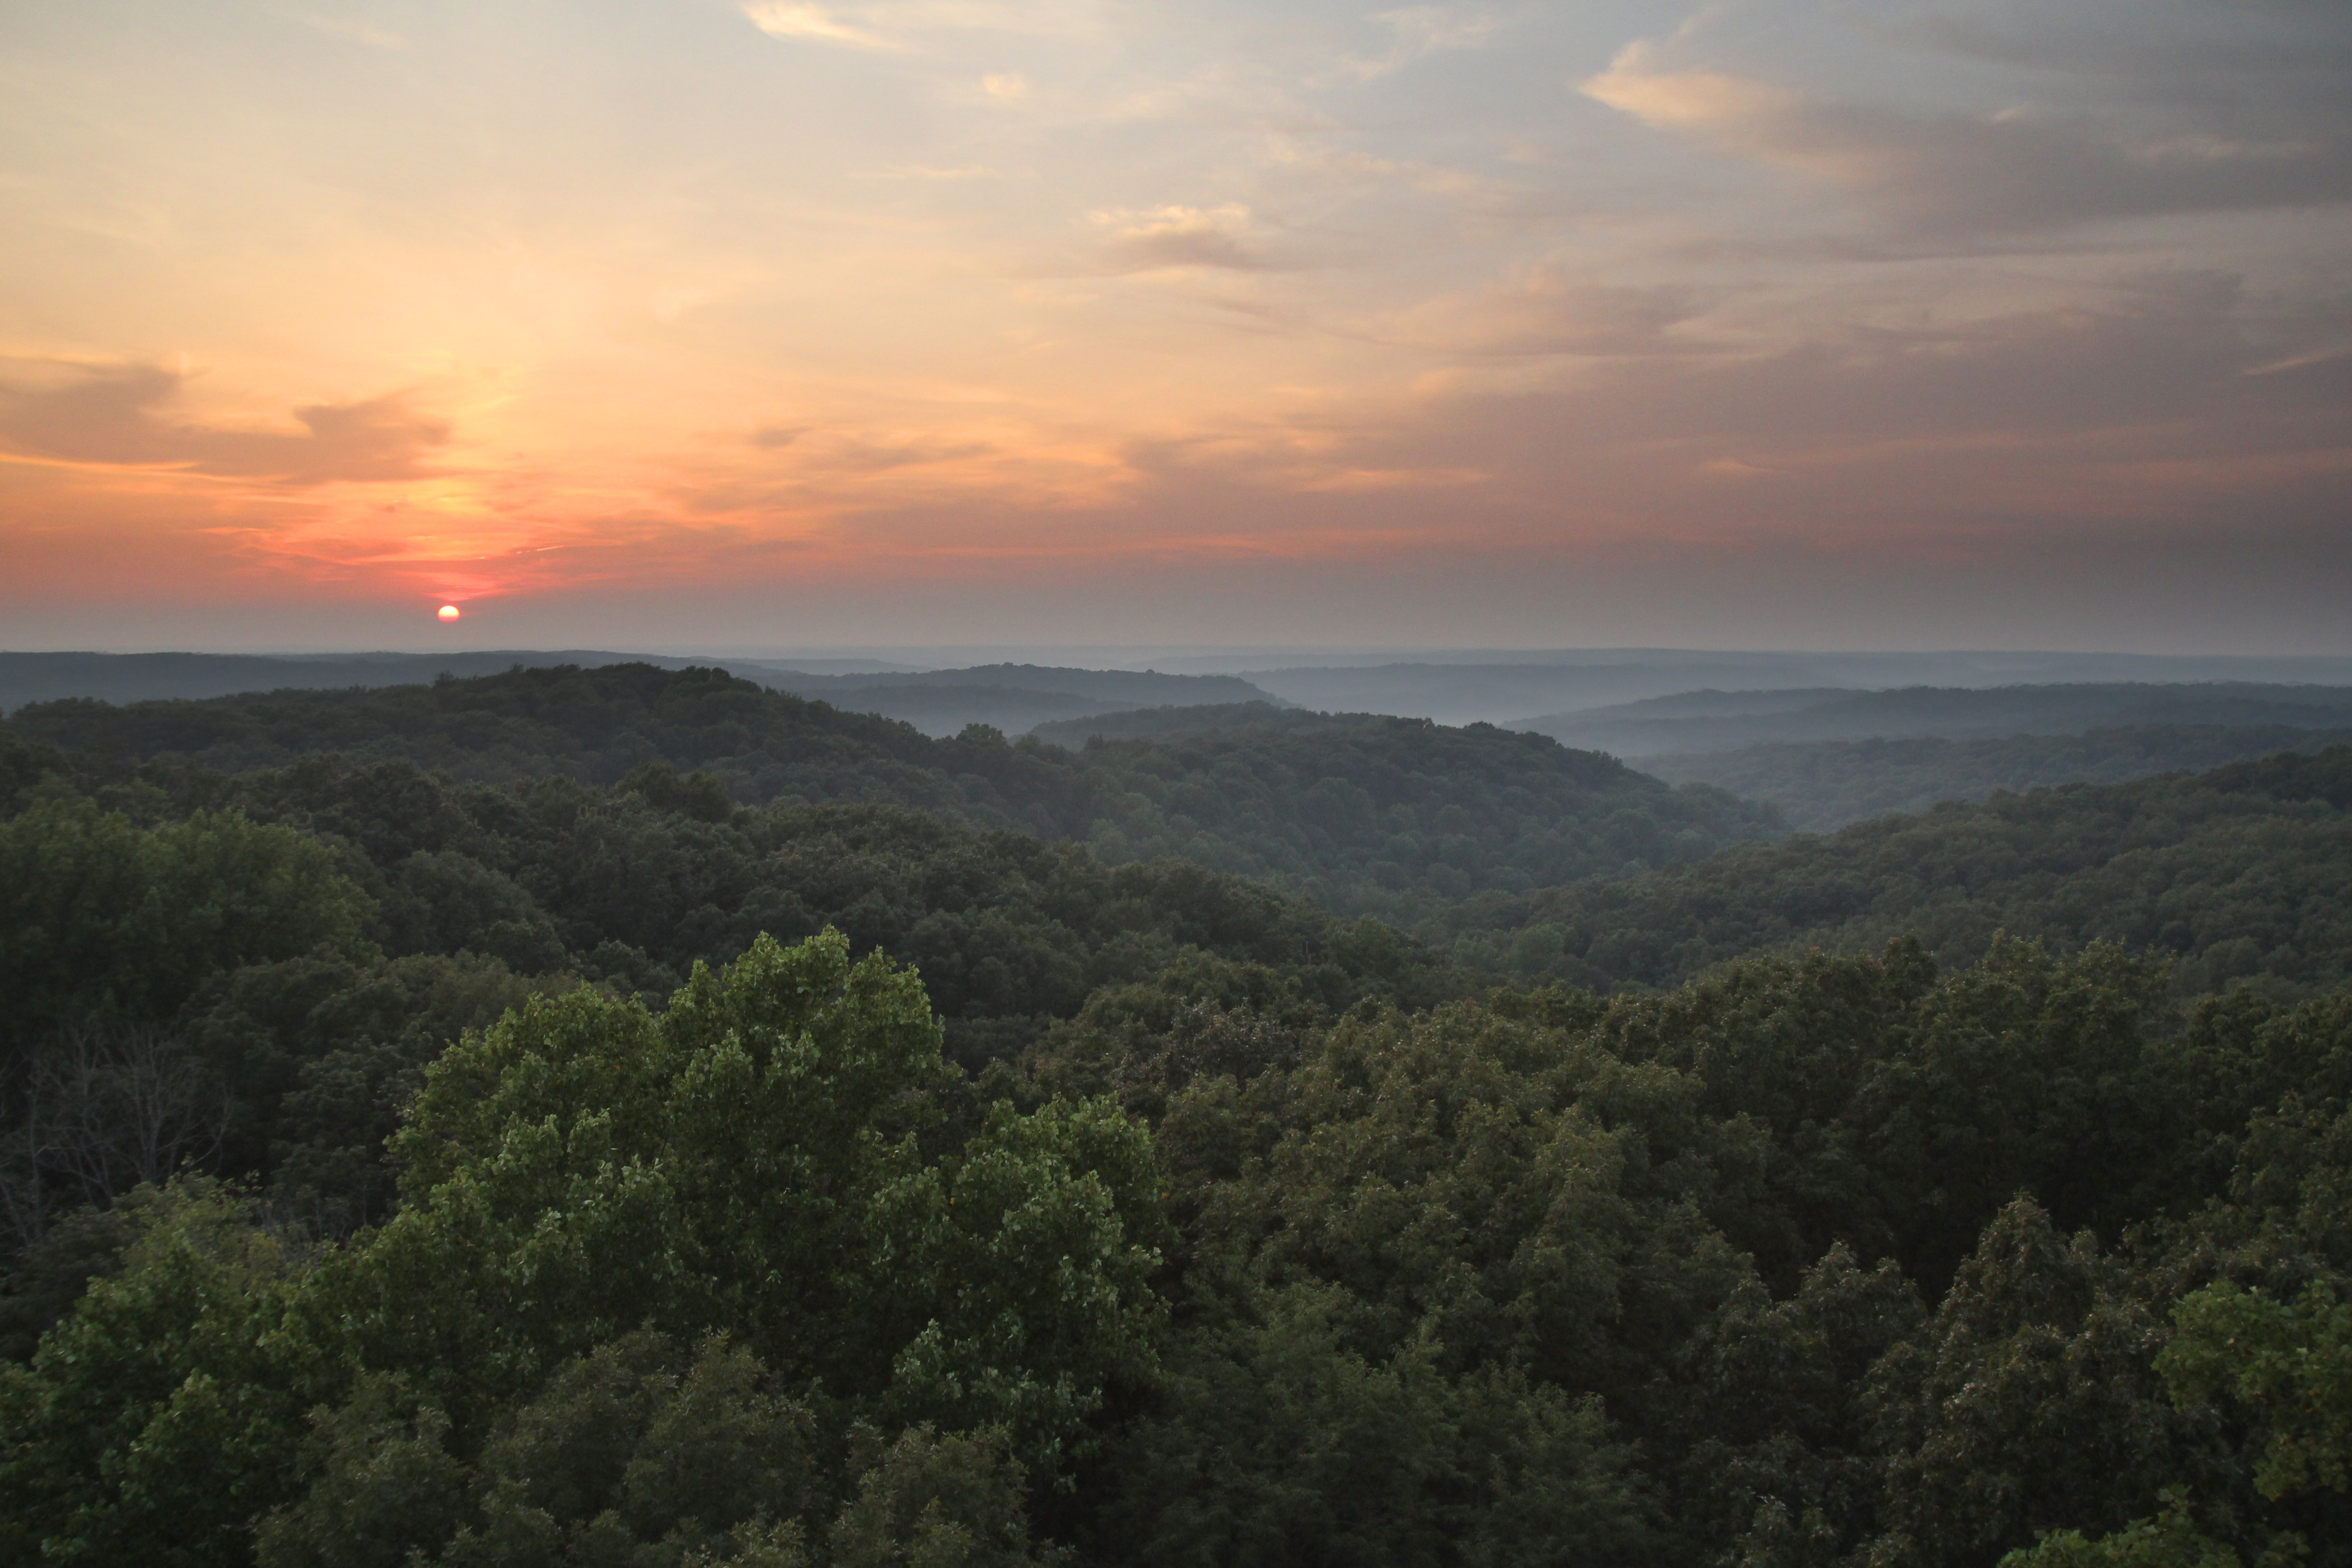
x=683, y=321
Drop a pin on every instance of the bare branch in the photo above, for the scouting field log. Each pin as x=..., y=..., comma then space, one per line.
x=100, y=1111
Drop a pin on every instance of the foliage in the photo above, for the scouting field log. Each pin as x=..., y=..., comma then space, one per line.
x=1703, y=721
x=634, y=1453
x=1369, y=815
x=1254, y=1238
x=161, y=1416
x=2289, y=1360
x=767, y=1172
x=101, y=920
x=1192, y=718
x=2236, y=873
x=2169, y=1539
x=758, y=1280
x=320, y=1056
x=1824, y=784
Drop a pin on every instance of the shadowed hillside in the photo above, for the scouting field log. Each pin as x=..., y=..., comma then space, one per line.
x=1368, y=815
x=1717, y=721
x=2236, y=873
x=1821, y=785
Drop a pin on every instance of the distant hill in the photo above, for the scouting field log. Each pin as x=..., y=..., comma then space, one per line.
x=1824, y=784
x=1367, y=814
x=142, y=677
x=1701, y=721
x=1135, y=688
x=945, y=710
x=1010, y=698
x=1160, y=723
x=1501, y=687
x=2236, y=873
x=1465, y=693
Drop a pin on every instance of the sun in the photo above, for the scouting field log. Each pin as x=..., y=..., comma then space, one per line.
x=449, y=612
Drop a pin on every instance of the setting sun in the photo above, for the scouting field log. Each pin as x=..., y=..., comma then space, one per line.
x=449, y=612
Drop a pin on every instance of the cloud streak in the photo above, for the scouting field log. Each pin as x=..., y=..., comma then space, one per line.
x=119, y=415
x=1950, y=173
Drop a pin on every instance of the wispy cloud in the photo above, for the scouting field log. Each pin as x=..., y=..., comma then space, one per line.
x=1545, y=312
x=119, y=415
x=1948, y=172
x=928, y=172
x=1178, y=237
x=352, y=28
x=893, y=25
x=1418, y=31
x=792, y=19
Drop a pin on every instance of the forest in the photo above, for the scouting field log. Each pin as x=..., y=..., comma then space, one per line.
x=2235, y=876
x=1703, y=721
x=630, y=1116
x=1821, y=785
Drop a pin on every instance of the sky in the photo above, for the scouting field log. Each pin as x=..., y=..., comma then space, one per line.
x=690, y=324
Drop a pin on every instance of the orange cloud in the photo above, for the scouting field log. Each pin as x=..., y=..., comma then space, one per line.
x=118, y=415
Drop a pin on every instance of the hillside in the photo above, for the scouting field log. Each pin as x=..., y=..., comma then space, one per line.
x=941, y=1193
x=1395, y=817
x=1697, y=721
x=1825, y=784
x=1368, y=815
x=1158, y=723
x=1010, y=698
x=1502, y=687
x=2236, y=873
x=1129, y=688
x=939, y=711
x=153, y=677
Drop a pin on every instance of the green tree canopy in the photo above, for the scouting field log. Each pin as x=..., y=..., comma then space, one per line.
x=103, y=919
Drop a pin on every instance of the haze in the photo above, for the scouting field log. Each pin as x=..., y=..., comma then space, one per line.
x=1993, y=324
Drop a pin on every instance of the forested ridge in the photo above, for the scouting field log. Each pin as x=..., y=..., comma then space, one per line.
x=695, y=1126
x=1696, y=721
x=2236, y=874
x=1368, y=815
x=1825, y=784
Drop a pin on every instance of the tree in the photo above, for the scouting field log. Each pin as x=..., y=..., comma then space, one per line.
x=101, y=920
x=767, y=1159
x=103, y=1111
x=162, y=1414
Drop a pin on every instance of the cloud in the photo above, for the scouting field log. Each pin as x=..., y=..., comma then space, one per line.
x=849, y=452
x=891, y=24
x=1420, y=30
x=791, y=19
x=2182, y=406
x=928, y=172
x=1544, y=312
x=2167, y=38
x=114, y=415
x=1952, y=173
x=1160, y=238
x=357, y=32
x=2152, y=410
x=861, y=455
x=1371, y=481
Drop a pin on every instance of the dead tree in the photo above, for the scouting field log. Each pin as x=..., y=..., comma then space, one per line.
x=99, y=1112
